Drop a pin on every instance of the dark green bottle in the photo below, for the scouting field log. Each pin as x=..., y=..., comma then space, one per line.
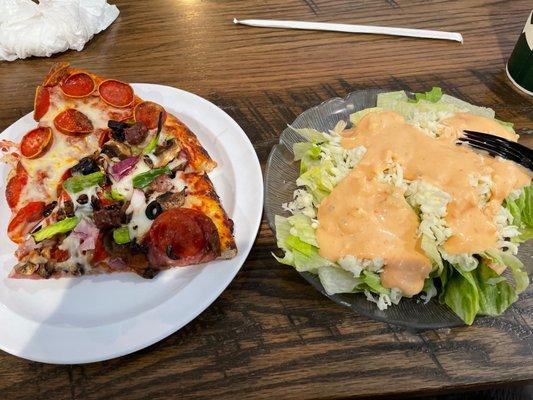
x=520, y=64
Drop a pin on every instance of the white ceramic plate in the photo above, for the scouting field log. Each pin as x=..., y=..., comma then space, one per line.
x=94, y=318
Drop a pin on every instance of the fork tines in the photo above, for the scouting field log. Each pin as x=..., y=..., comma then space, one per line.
x=498, y=146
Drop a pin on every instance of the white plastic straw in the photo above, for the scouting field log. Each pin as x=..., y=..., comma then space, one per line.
x=378, y=30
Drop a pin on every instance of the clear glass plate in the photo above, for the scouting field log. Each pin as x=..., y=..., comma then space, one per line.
x=280, y=183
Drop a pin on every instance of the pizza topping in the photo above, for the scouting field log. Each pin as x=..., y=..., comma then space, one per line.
x=170, y=200
x=41, y=103
x=77, y=183
x=136, y=133
x=35, y=142
x=153, y=210
x=144, y=179
x=86, y=166
x=15, y=185
x=117, y=129
x=66, y=210
x=117, y=264
x=56, y=74
x=166, y=152
x=58, y=254
x=82, y=199
x=121, y=235
x=87, y=234
x=73, y=122
x=49, y=208
x=181, y=236
x=115, y=93
x=63, y=226
x=114, y=195
x=150, y=113
x=25, y=220
x=124, y=167
x=116, y=149
x=161, y=184
x=108, y=217
x=78, y=85
x=99, y=253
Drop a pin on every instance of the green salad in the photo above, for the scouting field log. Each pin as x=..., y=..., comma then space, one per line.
x=471, y=284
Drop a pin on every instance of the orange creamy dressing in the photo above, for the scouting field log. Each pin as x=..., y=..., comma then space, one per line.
x=368, y=219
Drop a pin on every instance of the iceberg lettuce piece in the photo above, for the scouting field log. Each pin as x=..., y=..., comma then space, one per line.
x=521, y=209
x=336, y=280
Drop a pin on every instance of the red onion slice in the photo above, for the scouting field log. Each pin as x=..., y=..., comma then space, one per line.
x=117, y=263
x=124, y=167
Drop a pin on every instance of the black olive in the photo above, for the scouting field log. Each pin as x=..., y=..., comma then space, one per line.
x=149, y=273
x=111, y=124
x=96, y=203
x=153, y=210
x=117, y=130
x=85, y=166
x=83, y=199
x=118, y=135
x=49, y=208
x=68, y=207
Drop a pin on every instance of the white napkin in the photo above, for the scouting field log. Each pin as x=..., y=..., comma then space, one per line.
x=52, y=26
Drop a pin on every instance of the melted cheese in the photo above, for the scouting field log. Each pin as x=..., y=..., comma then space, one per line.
x=139, y=224
x=65, y=151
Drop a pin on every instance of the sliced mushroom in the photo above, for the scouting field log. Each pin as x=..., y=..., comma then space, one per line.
x=171, y=200
x=113, y=148
x=26, y=268
x=166, y=152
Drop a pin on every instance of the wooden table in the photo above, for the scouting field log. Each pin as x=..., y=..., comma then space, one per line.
x=270, y=334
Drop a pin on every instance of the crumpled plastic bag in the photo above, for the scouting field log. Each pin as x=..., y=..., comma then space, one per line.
x=52, y=26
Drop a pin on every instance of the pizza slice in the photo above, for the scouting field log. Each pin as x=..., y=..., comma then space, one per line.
x=109, y=182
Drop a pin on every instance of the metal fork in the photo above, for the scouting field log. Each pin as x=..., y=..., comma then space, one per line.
x=498, y=146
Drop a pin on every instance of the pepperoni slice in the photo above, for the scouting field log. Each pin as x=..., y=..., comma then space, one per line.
x=59, y=255
x=56, y=74
x=103, y=134
x=36, y=142
x=78, y=85
x=148, y=113
x=115, y=93
x=182, y=236
x=24, y=220
x=73, y=122
x=15, y=185
x=100, y=252
x=41, y=103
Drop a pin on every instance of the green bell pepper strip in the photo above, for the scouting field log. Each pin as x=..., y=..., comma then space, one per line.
x=144, y=179
x=155, y=140
x=114, y=194
x=63, y=226
x=77, y=183
x=151, y=145
x=121, y=235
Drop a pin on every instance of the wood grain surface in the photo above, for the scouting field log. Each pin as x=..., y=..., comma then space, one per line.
x=270, y=334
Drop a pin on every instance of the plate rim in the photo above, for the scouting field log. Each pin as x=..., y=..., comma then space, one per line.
x=110, y=351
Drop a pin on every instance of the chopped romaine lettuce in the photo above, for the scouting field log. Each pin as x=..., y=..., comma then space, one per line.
x=522, y=211
x=461, y=294
x=434, y=95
